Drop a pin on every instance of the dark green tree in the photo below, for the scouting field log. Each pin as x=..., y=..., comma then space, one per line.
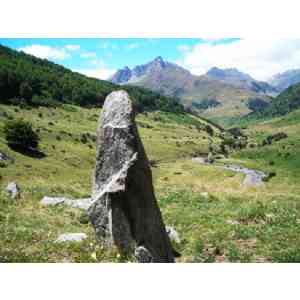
x=26, y=90
x=20, y=135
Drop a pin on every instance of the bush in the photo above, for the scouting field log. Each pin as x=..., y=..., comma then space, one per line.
x=20, y=135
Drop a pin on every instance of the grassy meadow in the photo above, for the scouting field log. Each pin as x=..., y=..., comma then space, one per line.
x=217, y=218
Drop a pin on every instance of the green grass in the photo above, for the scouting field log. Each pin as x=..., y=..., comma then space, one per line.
x=217, y=218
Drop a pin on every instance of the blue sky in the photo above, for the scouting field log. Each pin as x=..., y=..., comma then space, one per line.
x=101, y=57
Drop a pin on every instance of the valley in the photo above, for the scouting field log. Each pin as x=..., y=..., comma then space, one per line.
x=217, y=217
x=223, y=148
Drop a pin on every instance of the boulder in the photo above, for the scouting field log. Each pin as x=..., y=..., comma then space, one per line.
x=124, y=210
x=71, y=237
x=13, y=190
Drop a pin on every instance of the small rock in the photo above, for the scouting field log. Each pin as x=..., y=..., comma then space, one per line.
x=71, y=237
x=65, y=261
x=142, y=255
x=4, y=157
x=173, y=234
x=52, y=200
x=13, y=190
x=204, y=195
x=232, y=222
x=200, y=160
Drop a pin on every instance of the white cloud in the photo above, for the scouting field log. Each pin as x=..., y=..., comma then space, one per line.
x=72, y=47
x=88, y=55
x=132, y=46
x=183, y=48
x=260, y=58
x=99, y=73
x=46, y=52
x=108, y=45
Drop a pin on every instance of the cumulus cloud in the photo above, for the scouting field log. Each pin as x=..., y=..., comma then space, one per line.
x=260, y=58
x=46, y=52
x=72, y=47
x=99, y=73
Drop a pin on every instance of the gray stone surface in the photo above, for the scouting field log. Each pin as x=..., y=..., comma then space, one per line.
x=13, y=190
x=83, y=203
x=124, y=210
x=71, y=237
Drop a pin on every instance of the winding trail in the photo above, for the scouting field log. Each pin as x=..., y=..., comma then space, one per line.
x=252, y=177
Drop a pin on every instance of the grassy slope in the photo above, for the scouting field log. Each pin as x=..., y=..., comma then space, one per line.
x=27, y=229
x=230, y=223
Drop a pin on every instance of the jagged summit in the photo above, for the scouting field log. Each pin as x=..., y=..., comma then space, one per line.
x=127, y=75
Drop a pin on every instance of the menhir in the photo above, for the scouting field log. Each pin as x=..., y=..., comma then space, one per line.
x=124, y=210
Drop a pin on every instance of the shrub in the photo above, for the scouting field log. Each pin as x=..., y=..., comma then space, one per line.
x=19, y=134
x=83, y=139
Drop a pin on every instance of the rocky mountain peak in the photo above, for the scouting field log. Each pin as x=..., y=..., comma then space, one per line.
x=158, y=62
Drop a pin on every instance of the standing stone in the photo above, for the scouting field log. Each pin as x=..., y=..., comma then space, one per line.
x=124, y=211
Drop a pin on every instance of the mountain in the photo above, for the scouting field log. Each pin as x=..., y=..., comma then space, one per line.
x=27, y=80
x=210, y=97
x=283, y=80
x=284, y=103
x=242, y=80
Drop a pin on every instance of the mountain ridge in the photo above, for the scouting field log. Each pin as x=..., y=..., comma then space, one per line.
x=285, y=79
x=240, y=79
x=208, y=96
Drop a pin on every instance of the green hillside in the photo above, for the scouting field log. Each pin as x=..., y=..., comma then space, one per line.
x=284, y=103
x=27, y=80
x=68, y=143
x=218, y=219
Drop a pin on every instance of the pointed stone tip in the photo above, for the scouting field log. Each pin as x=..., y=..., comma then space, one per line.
x=117, y=109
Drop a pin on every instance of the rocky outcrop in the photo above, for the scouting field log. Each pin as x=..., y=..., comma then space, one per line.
x=124, y=211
